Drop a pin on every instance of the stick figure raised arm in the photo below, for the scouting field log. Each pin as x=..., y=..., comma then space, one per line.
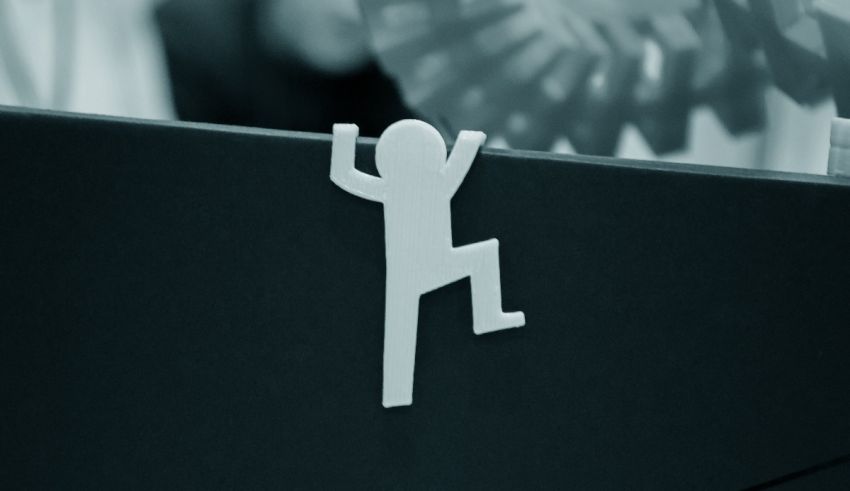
x=343, y=172
x=460, y=160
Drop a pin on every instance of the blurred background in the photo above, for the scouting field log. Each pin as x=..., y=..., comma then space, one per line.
x=745, y=83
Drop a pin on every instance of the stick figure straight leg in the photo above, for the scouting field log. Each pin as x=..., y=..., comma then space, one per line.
x=400, y=326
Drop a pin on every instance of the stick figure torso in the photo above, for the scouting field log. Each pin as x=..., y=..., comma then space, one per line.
x=416, y=186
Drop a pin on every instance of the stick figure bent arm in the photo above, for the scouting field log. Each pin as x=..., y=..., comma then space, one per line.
x=463, y=153
x=343, y=172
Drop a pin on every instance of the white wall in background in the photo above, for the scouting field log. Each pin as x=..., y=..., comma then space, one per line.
x=118, y=65
x=797, y=136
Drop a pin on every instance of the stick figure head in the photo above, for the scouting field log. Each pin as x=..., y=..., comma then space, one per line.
x=410, y=148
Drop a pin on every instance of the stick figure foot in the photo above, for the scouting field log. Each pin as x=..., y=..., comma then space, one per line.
x=507, y=320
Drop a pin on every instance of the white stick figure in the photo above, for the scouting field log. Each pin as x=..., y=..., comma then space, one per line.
x=416, y=185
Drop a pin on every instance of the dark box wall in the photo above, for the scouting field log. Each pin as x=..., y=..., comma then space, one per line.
x=194, y=306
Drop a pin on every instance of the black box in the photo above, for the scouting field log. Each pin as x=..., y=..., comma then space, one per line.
x=194, y=306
